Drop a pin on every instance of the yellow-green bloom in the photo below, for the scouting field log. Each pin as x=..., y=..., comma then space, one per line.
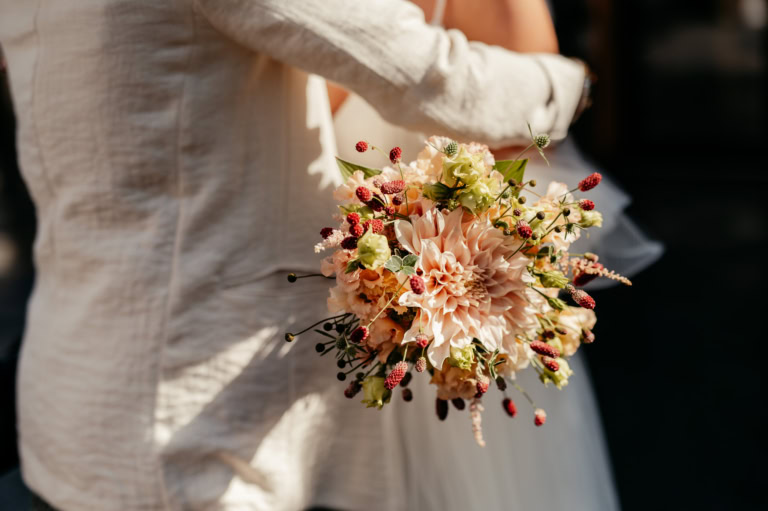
x=375, y=394
x=465, y=167
x=553, y=279
x=559, y=377
x=478, y=197
x=373, y=250
x=462, y=358
x=591, y=219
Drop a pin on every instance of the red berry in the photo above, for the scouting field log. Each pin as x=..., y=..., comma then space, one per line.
x=590, y=181
x=357, y=230
x=375, y=225
x=395, y=154
x=524, y=230
x=353, y=218
x=509, y=407
x=582, y=298
x=364, y=194
x=417, y=285
x=390, y=210
x=375, y=203
x=459, y=403
x=539, y=417
x=393, y=187
x=361, y=146
x=550, y=363
x=359, y=334
x=422, y=340
x=482, y=387
x=397, y=374
x=586, y=204
x=326, y=231
x=349, y=243
x=543, y=348
x=407, y=395
x=421, y=365
x=397, y=200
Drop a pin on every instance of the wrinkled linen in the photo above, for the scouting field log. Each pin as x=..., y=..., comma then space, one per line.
x=180, y=155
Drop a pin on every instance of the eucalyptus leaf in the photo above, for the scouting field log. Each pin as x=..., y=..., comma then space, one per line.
x=347, y=169
x=394, y=264
x=410, y=260
x=409, y=270
x=352, y=266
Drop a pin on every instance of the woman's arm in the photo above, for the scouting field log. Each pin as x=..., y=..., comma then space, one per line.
x=421, y=77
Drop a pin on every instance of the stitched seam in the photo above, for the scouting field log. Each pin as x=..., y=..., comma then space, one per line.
x=172, y=274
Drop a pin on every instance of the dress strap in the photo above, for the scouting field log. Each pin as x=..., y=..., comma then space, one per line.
x=438, y=13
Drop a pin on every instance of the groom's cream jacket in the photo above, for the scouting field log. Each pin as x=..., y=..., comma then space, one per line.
x=179, y=153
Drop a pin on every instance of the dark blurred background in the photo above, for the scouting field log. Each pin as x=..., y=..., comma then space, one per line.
x=679, y=120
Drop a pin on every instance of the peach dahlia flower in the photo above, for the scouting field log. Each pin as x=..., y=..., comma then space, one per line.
x=472, y=290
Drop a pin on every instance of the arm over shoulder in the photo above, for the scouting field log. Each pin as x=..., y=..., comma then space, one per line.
x=418, y=76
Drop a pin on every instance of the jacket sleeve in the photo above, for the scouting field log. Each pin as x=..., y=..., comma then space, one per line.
x=416, y=75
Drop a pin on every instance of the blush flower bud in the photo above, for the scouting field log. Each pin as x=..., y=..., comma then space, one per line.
x=357, y=230
x=397, y=200
x=353, y=218
x=421, y=365
x=375, y=225
x=539, y=417
x=586, y=205
x=590, y=181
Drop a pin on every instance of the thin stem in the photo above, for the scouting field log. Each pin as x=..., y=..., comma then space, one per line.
x=524, y=151
x=523, y=392
x=321, y=321
x=525, y=242
x=387, y=304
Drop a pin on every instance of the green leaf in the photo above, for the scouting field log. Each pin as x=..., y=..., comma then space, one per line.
x=409, y=270
x=512, y=169
x=348, y=168
x=364, y=211
x=395, y=264
x=437, y=191
x=352, y=266
x=410, y=260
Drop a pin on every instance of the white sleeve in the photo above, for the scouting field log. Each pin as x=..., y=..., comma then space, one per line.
x=416, y=75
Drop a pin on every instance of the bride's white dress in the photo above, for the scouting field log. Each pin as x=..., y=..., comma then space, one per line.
x=562, y=465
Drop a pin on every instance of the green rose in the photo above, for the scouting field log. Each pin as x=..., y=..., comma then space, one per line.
x=478, y=197
x=591, y=219
x=375, y=394
x=373, y=250
x=465, y=167
x=462, y=358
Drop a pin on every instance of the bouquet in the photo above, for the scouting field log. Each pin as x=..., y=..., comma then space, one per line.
x=454, y=266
